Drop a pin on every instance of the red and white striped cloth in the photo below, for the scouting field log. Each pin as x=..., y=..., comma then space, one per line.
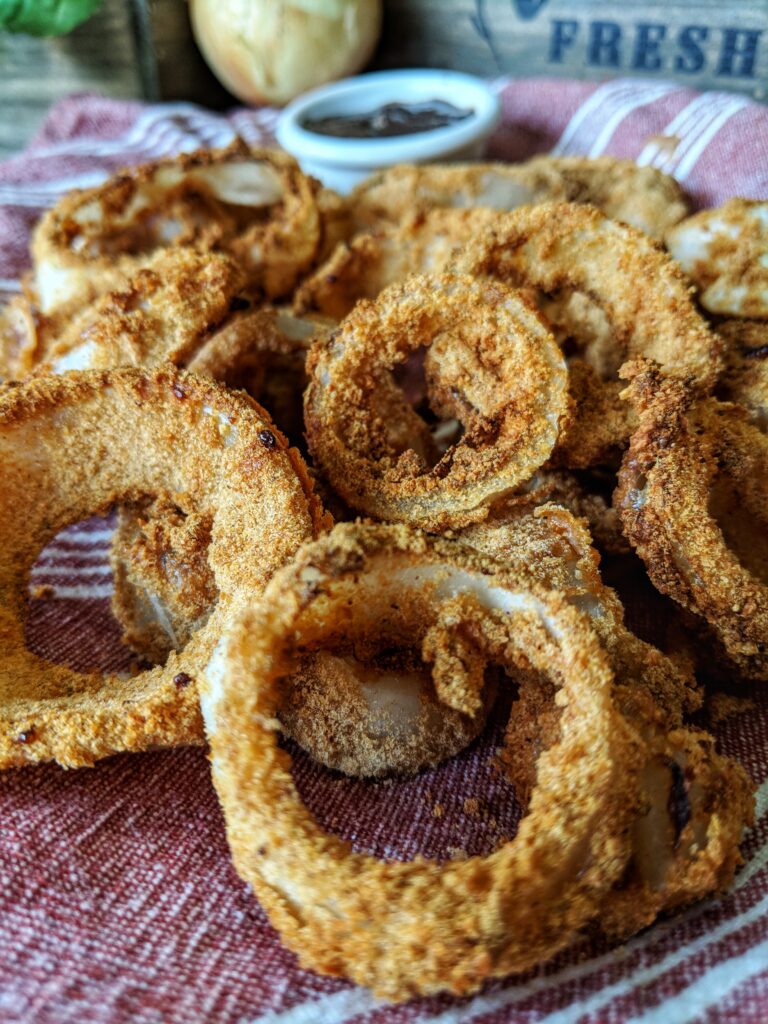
x=118, y=902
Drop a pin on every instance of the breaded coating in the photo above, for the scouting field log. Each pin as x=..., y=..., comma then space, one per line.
x=644, y=197
x=692, y=500
x=252, y=204
x=73, y=446
x=421, y=927
x=745, y=379
x=725, y=253
x=490, y=363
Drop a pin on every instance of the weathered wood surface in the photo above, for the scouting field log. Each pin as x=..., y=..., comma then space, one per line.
x=707, y=44
x=100, y=56
x=129, y=48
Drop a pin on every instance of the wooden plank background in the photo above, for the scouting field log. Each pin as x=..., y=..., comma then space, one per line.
x=144, y=48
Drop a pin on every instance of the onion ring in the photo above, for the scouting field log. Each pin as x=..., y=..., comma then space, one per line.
x=725, y=252
x=73, y=445
x=364, y=266
x=186, y=308
x=644, y=197
x=641, y=290
x=366, y=718
x=745, y=379
x=695, y=804
x=491, y=363
x=419, y=927
x=692, y=500
x=685, y=843
x=165, y=313
x=212, y=199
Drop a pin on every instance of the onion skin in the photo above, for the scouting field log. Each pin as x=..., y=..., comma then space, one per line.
x=271, y=51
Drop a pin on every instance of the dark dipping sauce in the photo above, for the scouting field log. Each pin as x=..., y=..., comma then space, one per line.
x=389, y=120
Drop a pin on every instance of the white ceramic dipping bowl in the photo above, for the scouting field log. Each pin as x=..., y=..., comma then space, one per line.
x=341, y=163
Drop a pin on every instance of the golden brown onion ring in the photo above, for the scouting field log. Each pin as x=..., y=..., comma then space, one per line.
x=644, y=197
x=644, y=296
x=364, y=266
x=685, y=842
x=490, y=363
x=696, y=803
x=692, y=500
x=165, y=313
x=253, y=204
x=365, y=718
x=725, y=252
x=72, y=446
x=745, y=379
x=419, y=927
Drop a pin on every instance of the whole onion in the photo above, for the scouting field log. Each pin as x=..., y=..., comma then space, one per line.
x=268, y=51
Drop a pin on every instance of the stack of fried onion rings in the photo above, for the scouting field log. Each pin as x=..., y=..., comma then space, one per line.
x=490, y=362
x=421, y=927
x=71, y=447
x=254, y=204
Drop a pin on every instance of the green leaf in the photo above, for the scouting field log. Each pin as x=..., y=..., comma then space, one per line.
x=45, y=17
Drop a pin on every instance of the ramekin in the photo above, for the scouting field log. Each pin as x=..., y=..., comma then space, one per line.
x=341, y=163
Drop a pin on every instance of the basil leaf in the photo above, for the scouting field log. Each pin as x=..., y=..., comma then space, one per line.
x=45, y=17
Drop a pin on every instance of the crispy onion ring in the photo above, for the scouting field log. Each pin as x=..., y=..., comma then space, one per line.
x=365, y=717
x=692, y=499
x=165, y=313
x=555, y=546
x=745, y=378
x=694, y=808
x=725, y=252
x=71, y=447
x=186, y=308
x=490, y=362
x=644, y=197
x=374, y=716
x=696, y=803
x=641, y=290
x=363, y=267
x=420, y=927
x=254, y=204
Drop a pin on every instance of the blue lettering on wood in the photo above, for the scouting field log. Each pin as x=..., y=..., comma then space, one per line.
x=528, y=9
x=737, y=57
x=563, y=35
x=647, y=55
x=603, y=48
x=691, y=57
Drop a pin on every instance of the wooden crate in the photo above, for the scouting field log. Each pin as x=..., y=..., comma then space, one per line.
x=707, y=44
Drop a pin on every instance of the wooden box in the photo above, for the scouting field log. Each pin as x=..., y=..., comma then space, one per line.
x=707, y=44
